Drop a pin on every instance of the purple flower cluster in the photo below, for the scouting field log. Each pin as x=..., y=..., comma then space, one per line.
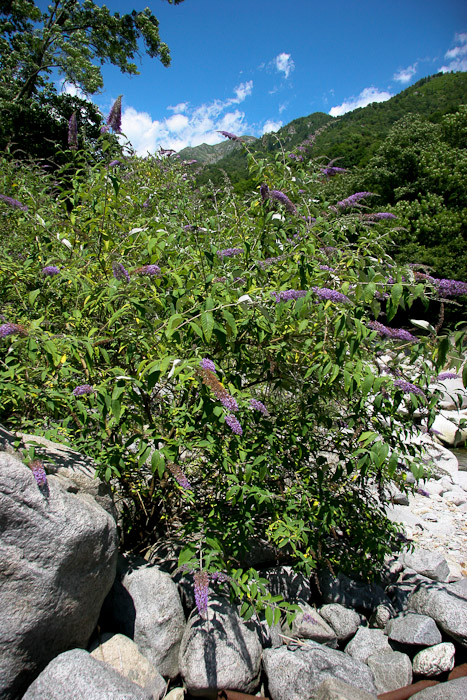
x=233, y=424
x=179, y=475
x=13, y=202
x=379, y=216
x=449, y=288
x=230, y=136
x=83, y=389
x=7, y=329
x=50, y=270
x=288, y=294
x=230, y=252
x=264, y=191
x=447, y=375
x=73, y=132
x=294, y=156
x=270, y=261
x=114, y=163
x=229, y=403
x=208, y=364
x=114, y=120
x=201, y=591
x=395, y=333
x=38, y=472
x=150, y=270
x=327, y=268
x=332, y=170
x=119, y=272
x=259, y=406
x=423, y=492
x=353, y=200
x=408, y=388
x=283, y=199
x=331, y=295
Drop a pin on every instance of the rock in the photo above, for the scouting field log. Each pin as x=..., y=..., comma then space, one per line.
x=219, y=652
x=452, y=690
x=351, y=594
x=434, y=660
x=308, y=624
x=175, y=694
x=413, y=629
x=367, y=641
x=334, y=689
x=442, y=460
x=430, y=564
x=58, y=553
x=459, y=588
x=457, y=496
x=446, y=427
x=123, y=655
x=344, y=621
x=146, y=607
x=391, y=670
x=460, y=479
x=380, y=617
x=75, y=675
x=293, y=586
x=445, y=607
x=296, y=673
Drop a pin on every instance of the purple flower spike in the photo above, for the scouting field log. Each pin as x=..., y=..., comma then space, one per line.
x=201, y=591
x=283, y=199
x=83, y=389
x=150, y=270
x=13, y=202
x=73, y=132
x=353, y=200
x=7, y=329
x=230, y=252
x=408, y=388
x=423, y=492
x=230, y=136
x=229, y=403
x=447, y=375
x=114, y=120
x=331, y=295
x=395, y=333
x=38, y=471
x=208, y=364
x=233, y=424
x=380, y=215
x=50, y=270
x=288, y=294
x=119, y=272
x=114, y=163
x=332, y=170
x=259, y=406
x=179, y=475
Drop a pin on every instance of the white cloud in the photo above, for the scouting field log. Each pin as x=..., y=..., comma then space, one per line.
x=199, y=124
x=405, y=75
x=73, y=90
x=283, y=107
x=366, y=97
x=181, y=107
x=271, y=125
x=457, y=56
x=284, y=64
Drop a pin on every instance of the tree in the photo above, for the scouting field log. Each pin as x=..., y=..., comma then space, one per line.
x=70, y=38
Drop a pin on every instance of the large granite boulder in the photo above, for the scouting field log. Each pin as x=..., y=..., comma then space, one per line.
x=447, y=608
x=75, y=675
x=58, y=553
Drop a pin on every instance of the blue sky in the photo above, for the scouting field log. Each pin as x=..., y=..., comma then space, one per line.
x=250, y=66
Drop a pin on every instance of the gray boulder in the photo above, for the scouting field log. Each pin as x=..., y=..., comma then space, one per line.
x=58, y=554
x=75, y=675
x=334, y=689
x=413, y=629
x=380, y=617
x=219, y=652
x=145, y=606
x=430, y=564
x=308, y=624
x=435, y=660
x=123, y=655
x=295, y=673
x=353, y=594
x=447, y=608
x=391, y=669
x=452, y=690
x=367, y=641
x=344, y=621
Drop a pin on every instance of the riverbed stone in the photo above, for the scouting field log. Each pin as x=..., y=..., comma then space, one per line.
x=335, y=689
x=391, y=669
x=445, y=607
x=413, y=629
x=451, y=690
x=367, y=641
x=344, y=621
x=434, y=660
x=433, y=565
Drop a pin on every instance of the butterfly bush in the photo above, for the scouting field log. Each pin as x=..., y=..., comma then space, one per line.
x=395, y=333
x=259, y=406
x=13, y=202
x=233, y=424
x=179, y=475
x=331, y=295
x=83, y=389
x=119, y=272
x=149, y=270
x=50, y=270
x=230, y=252
x=409, y=388
x=38, y=472
x=283, y=199
x=447, y=375
x=7, y=329
x=354, y=200
x=288, y=295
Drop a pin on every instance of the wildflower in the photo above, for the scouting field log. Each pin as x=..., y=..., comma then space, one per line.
x=332, y=170
x=288, y=294
x=113, y=163
x=201, y=591
x=50, y=270
x=259, y=406
x=208, y=364
x=189, y=162
x=395, y=333
x=270, y=261
x=13, y=202
x=423, y=492
x=230, y=136
x=233, y=424
x=83, y=389
x=73, y=132
x=229, y=403
x=408, y=388
x=327, y=268
x=446, y=375
x=331, y=295
x=12, y=328
x=114, y=120
x=230, y=252
x=179, y=475
x=283, y=199
x=353, y=200
x=38, y=472
x=449, y=288
x=380, y=215
x=119, y=272
x=148, y=270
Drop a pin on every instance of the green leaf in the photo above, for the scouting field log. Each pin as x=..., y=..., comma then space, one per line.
x=207, y=324
x=174, y=321
x=33, y=296
x=230, y=322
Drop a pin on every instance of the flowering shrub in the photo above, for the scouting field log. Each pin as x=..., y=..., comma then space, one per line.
x=231, y=394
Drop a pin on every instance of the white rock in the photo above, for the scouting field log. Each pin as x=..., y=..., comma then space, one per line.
x=446, y=425
x=457, y=496
x=434, y=660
